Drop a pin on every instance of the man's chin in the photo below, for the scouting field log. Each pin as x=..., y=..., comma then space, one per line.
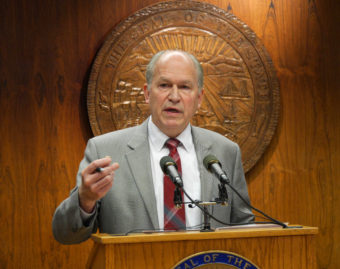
x=173, y=127
x=173, y=123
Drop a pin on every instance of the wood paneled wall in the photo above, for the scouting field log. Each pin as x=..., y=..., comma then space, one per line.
x=46, y=52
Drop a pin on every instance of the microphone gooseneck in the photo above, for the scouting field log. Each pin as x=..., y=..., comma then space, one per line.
x=213, y=165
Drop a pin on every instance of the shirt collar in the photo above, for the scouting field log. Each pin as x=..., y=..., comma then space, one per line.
x=158, y=138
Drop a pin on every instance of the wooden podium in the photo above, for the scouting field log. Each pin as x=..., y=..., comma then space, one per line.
x=265, y=247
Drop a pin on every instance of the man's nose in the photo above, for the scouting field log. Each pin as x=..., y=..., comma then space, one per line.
x=174, y=94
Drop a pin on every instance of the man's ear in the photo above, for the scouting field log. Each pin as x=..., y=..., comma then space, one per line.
x=200, y=98
x=146, y=93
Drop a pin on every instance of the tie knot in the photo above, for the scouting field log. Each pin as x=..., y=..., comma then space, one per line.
x=172, y=143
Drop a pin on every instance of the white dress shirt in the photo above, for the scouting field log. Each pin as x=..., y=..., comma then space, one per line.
x=190, y=171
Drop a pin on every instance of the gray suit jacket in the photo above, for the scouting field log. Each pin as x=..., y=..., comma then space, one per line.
x=131, y=202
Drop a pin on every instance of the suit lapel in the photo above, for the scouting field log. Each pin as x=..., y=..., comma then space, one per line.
x=140, y=165
x=203, y=148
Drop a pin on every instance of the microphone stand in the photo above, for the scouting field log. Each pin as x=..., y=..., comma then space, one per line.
x=222, y=199
x=206, y=216
x=178, y=202
x=222, y=194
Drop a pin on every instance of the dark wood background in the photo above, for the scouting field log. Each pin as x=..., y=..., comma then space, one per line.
x=46, y=52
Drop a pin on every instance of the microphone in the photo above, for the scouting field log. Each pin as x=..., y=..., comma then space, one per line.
x=169, y=168
x=212, y=164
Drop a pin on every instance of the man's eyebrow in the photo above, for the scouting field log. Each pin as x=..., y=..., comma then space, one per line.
x=187, y=82
x=164, y=79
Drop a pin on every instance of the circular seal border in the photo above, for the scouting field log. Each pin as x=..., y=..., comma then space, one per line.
x=215, y=257
x=247, y=33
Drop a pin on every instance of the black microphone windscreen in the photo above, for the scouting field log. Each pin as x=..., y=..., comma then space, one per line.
x=208, y=160
x=165, y=162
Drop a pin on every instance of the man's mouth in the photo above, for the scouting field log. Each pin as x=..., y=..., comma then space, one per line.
x=172, y=110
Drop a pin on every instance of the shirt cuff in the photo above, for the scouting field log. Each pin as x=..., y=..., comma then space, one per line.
x=85, y=217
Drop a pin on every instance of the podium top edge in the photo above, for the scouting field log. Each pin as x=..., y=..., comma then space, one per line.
x=103, y=238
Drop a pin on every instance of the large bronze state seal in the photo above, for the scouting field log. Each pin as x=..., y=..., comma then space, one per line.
x=241, y=89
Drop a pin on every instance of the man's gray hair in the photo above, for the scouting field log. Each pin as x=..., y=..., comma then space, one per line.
x=151, y=67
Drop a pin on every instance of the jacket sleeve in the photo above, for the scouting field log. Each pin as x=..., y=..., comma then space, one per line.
x=67, y=224
x=240, y=212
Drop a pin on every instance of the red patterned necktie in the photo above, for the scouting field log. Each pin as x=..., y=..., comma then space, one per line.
x=174, y=217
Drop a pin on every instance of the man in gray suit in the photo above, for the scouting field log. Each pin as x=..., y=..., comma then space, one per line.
x=127, y=195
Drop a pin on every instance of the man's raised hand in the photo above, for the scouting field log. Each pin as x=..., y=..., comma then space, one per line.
x=95, y=184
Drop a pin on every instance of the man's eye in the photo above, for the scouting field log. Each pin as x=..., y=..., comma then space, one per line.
x=164, y=85
x=184, y=87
